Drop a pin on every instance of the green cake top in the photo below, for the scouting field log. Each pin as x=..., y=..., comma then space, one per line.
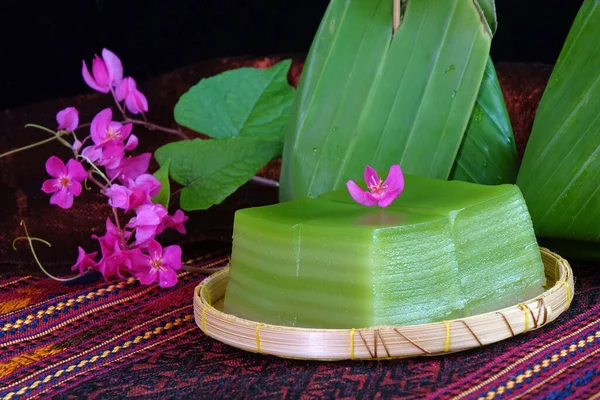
x=423, y=200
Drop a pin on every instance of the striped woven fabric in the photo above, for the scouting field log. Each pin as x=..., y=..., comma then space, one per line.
x=96, y=339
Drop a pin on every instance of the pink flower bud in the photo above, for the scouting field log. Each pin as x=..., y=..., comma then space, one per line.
x=107, y=72
x=135, y=101
x=68, y=119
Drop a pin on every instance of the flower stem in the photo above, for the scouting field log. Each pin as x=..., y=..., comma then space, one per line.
x=121, y=233
x=83, y=126
x=154, y=127
x=28, y=146
x=95, y=168
x=30, y=240
x=97, y=183
x=112, y=91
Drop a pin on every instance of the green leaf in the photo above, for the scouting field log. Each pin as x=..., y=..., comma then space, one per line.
x=210, y=170
x=165, y=190
x=488, y=154
x=488, y=8
x=560, y=173
x=367, y=97
x=238, y=102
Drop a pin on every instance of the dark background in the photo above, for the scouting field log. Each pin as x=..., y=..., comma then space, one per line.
x=43, y=42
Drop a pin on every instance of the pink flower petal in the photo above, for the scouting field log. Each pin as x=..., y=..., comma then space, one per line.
x=388, y=197
x=76, y=170
x=371, y=177
x=67, y=119
x=172, y=257
x=100, y=72
x=176, y=221
x=50, y=186
x=99, y=126
x=62, y=198
x=360, y=196
x=92, y=152
x=148, y=183
x=141, y=101
x=126, y=130
x=130, y=167
x=113, y=66
x=167, y=278
x=395, y=179
x=75, y=188
x=112, y=155
x=122, y=90
x=118, y=196
x=148, y=276
x=55, y=167
x=155, y=250
x=87, y=77
x=132, y=143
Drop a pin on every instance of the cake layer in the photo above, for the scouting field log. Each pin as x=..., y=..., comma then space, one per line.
x=441, y=250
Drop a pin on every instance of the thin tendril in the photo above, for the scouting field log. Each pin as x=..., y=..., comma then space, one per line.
x=28, y=147
x=30, y=240
x=96, y=169
x=57, y=135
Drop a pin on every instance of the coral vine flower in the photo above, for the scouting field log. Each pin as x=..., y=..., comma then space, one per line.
x=84, y=260
x=107, y=72
x=104, y=130
x=176, y=221
x=159, y=266
x=380, y=193
x=68, y=119
x=130, y=167
x=135, y=101
x=148, y=222
x=66, y=183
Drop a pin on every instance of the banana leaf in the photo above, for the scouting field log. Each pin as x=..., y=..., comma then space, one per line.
x=488, y=154
x=560, y=173
x=368, y=96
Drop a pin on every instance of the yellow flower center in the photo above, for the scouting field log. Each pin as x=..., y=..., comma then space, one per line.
x=64, y=181
x=113, y=133
x=157, y=263
x=375, y=186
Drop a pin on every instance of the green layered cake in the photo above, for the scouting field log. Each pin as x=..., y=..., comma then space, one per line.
x=442, y=250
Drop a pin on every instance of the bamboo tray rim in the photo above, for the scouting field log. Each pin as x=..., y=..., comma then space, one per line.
x=384, y=342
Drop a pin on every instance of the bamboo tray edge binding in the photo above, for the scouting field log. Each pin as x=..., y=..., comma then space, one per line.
x=385, y=342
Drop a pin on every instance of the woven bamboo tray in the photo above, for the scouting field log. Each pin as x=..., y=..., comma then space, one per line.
x=383, y=342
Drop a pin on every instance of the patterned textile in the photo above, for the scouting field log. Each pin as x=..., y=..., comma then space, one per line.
x=93, y=339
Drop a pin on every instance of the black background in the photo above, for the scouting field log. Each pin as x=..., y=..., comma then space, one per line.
x=43, y=42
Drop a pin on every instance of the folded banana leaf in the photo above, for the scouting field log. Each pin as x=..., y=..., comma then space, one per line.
x=371, y=96
x=488, y=154
x=560, y=173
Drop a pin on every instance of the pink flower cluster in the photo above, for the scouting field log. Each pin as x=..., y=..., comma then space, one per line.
x=107, y=75
x=128, y=249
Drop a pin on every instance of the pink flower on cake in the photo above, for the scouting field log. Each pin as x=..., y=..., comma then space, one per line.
x=380, y=193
